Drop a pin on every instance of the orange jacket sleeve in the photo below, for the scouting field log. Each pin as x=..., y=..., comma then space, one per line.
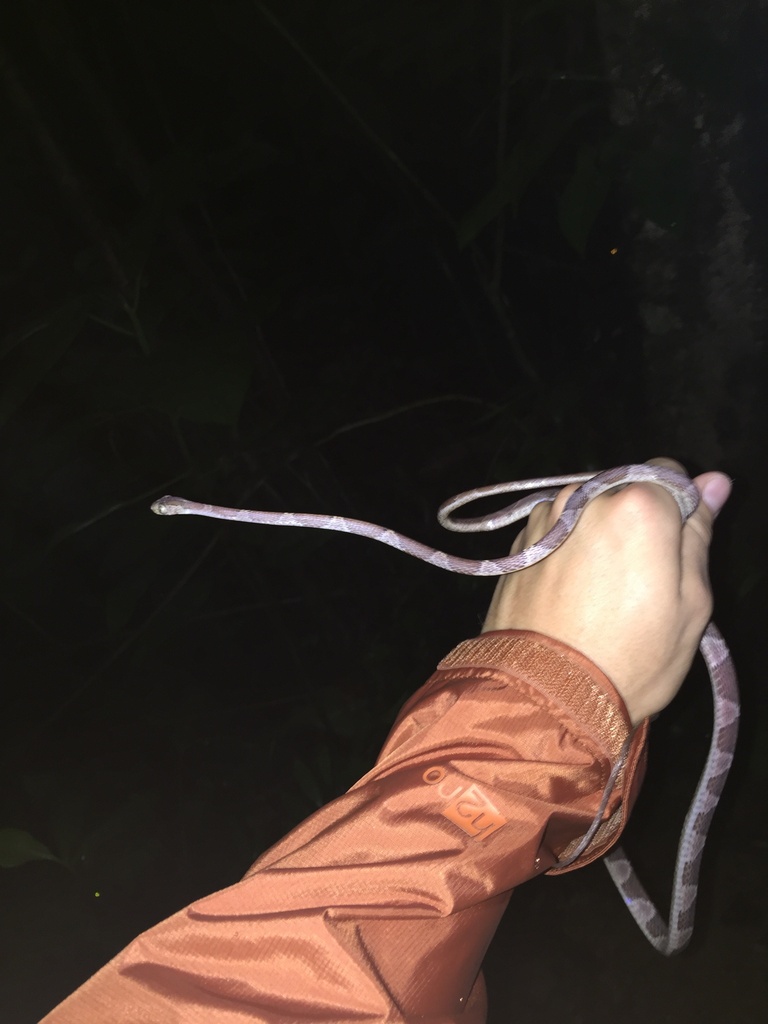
x=381, y=905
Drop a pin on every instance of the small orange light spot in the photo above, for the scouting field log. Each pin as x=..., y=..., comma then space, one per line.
x=614, y=251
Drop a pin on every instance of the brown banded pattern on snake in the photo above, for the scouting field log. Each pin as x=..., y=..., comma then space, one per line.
x=665, y=938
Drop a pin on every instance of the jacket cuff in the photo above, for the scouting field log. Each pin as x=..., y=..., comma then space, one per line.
x=584, y=699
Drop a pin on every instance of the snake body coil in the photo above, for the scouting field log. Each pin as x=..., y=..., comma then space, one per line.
x=665, y=938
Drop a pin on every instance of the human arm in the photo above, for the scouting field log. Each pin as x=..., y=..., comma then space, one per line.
x=380, y=906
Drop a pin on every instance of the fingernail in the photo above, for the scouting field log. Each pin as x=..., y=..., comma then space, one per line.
x=716, y=492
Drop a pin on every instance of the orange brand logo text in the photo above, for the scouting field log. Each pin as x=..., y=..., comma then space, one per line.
x=468, y=807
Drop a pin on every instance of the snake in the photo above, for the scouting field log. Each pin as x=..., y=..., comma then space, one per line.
x=667, y=938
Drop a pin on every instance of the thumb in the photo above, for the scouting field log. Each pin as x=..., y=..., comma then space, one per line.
x=715, y=489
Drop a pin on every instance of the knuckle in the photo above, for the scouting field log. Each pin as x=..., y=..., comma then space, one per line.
x=667, y=463
x=647, y=502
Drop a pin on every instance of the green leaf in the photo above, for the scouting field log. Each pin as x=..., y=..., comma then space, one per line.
x=518, y=170
x=19, y=847
x=583, y=198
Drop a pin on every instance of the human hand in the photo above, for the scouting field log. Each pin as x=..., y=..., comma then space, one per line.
x=629, y=588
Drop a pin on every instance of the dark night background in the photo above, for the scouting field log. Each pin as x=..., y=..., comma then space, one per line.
x=353, y=257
